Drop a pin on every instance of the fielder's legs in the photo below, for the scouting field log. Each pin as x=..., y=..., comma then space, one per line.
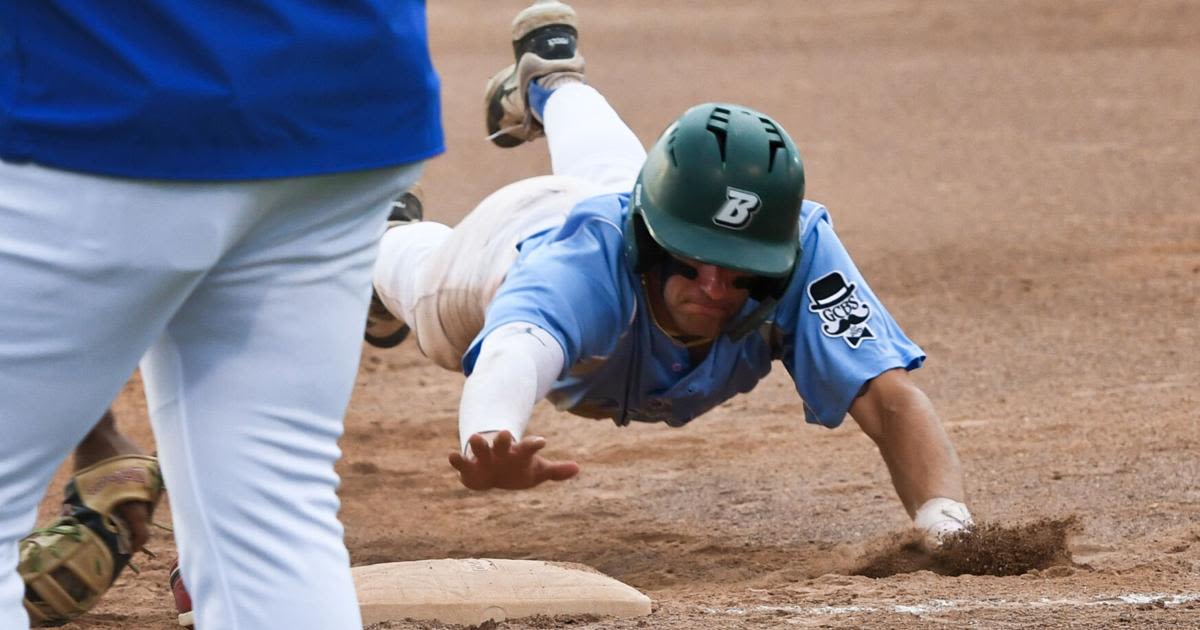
x=93, y=269
x=247, y=398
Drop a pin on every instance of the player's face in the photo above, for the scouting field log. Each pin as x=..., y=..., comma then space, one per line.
x=702, y=305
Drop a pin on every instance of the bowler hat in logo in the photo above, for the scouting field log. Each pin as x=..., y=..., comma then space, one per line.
x=830, y=290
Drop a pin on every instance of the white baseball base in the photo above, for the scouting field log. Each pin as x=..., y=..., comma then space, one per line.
x=472, y=591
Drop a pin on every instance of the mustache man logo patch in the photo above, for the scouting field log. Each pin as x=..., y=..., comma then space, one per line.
x=842, y=313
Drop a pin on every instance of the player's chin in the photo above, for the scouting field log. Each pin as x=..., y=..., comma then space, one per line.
x=703, y=325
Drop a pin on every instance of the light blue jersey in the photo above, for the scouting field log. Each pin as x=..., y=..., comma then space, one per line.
x=830, y=330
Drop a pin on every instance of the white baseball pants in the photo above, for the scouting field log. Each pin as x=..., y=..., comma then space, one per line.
x=248, y=300
x=440, y=280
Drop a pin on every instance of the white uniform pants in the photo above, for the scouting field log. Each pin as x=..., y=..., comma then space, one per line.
x=248, y=300
x=440, y=280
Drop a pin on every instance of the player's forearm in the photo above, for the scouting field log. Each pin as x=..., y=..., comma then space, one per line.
x=919, y=455
x=103, y=442
x=901, y=420
x=517, y=365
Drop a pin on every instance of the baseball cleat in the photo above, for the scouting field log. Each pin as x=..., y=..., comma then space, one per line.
x=407, y=208
x=545, y=45
x=183, y=601
x=384, y=330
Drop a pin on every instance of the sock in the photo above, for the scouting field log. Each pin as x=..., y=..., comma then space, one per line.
x=541, y=88
x=538, y=96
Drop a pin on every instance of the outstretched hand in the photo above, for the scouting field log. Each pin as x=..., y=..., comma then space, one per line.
x=503, y=464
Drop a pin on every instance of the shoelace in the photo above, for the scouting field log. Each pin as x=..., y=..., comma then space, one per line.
x=506, y=130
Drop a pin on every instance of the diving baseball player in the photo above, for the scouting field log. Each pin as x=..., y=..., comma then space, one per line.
x=651, y=288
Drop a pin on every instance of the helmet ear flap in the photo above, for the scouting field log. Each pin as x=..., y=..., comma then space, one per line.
x=770, y=288
x=644, y=252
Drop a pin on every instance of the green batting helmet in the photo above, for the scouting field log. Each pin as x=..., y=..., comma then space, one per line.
x=722, y=185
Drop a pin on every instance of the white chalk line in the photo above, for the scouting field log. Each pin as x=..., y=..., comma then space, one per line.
x=942, y=605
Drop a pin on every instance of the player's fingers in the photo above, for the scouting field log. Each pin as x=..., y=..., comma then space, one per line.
x=558, y=471
x=480, y=449
x=469, y=472
x=464, y=465
x=502, y=443
x=530, y=445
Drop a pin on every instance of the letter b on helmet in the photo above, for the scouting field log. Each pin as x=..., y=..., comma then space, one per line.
x=739, y=208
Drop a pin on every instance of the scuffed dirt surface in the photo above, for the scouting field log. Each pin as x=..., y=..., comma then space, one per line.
x=1017, y=181
x=985, y=549
x=1000, y=550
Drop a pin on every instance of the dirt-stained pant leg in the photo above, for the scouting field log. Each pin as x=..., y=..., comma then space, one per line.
x=440, y=280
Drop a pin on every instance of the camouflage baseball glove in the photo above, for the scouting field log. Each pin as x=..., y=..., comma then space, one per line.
x=69, y=562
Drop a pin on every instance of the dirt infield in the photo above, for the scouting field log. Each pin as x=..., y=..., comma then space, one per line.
x=1017, y=180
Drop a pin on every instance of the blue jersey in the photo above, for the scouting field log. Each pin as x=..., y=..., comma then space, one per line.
x=217, y=89
x=829, y=330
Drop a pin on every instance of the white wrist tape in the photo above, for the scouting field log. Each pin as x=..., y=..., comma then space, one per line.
x=517, y=365
x=941, y=517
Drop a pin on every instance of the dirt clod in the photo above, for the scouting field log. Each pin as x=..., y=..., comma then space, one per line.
x=996, y=549
x=985, y=549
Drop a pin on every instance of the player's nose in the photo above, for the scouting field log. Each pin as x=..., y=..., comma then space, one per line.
x=715, y=282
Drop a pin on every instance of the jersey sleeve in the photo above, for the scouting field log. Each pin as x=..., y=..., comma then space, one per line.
x=573, y=285
x=837, y=334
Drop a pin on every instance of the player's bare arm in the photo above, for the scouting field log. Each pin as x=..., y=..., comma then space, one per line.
x=102, y=442
x=925, y=470
x=105, y=441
